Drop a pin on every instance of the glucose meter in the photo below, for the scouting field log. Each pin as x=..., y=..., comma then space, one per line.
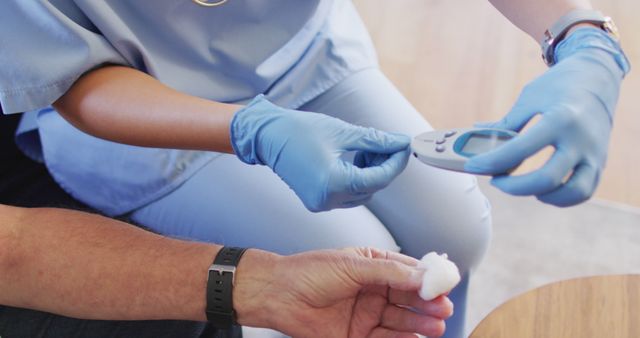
x=450, y=149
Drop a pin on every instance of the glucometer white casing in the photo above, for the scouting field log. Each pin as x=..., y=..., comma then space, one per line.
x=450, y=149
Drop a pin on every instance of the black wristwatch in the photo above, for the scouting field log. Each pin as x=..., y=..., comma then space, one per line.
x=219, y=309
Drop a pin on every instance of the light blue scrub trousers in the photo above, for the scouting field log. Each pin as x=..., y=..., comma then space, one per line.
x=424, y=209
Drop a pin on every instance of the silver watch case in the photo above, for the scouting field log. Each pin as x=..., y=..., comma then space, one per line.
x=558, y=31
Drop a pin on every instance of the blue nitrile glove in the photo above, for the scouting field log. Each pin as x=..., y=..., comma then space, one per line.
x=577, y=99
x=305, y=150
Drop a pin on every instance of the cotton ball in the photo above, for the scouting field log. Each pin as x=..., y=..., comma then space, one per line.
x=440, y=277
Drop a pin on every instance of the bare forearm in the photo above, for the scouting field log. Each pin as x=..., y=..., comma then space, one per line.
x=127, y=106
x=88, y=266
x=535, y=17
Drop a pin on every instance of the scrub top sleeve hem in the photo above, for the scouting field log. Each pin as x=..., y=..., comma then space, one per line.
x=24, y=99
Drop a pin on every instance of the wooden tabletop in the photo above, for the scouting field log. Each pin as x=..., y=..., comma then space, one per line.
x=600, y=306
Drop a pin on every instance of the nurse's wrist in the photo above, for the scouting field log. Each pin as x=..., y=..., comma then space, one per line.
x=217, y=120
x=246, y=125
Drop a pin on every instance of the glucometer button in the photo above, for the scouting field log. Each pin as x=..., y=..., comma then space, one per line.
x=440, y=148
x=441, y=140
x=450, y=133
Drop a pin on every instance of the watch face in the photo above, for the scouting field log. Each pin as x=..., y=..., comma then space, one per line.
x=547, y=49
x=611, y=27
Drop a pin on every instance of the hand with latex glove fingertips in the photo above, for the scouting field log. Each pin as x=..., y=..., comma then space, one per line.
x=576, y=99
x=305, y=149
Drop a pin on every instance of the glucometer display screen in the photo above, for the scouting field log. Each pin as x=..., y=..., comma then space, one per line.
x=479, y=143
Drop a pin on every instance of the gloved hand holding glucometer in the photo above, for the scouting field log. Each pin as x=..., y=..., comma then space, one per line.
x=576, y=99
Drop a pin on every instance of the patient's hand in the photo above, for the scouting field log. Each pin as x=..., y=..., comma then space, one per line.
x=339, y=293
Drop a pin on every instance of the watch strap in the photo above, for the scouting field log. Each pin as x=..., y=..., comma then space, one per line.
x=558, y=31
x=220, y=312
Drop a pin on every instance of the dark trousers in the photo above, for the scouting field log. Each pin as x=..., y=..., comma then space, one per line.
x=28, y=184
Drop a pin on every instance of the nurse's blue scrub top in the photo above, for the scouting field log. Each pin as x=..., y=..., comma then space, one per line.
x=289, y=50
